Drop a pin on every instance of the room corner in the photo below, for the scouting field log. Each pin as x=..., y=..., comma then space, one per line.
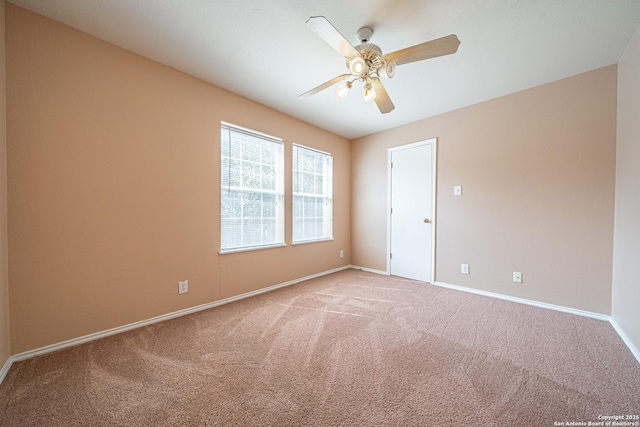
x=5, y=350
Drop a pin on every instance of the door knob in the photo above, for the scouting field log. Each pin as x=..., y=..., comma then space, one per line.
x=426, y=221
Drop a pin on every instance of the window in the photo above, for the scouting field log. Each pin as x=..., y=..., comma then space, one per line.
x=312, y=195
x=252, y=190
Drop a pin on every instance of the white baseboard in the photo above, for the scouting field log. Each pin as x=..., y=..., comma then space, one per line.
x=5, y=368
x=91, y=337
x=370, y=270
x=626, y=339
x=526, y=301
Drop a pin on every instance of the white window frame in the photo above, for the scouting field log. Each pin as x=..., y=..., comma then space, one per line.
x=326, y=197
x=272, y=236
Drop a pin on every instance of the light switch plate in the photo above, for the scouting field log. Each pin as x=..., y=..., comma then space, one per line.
x=457, y=190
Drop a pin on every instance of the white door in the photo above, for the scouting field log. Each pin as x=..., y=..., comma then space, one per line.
x=411, y=230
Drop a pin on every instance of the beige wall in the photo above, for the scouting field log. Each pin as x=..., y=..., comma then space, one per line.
x=537, y=170
x=626, y=258
x=5, y=349
x=113, y=172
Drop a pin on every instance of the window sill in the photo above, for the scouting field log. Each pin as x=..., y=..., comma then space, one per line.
x=257, y=248
x=304, y=242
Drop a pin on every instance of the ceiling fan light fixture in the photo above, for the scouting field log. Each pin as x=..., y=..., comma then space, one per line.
x=358, y=66
x=343, y=90
x=369, y=93
x=387, y=69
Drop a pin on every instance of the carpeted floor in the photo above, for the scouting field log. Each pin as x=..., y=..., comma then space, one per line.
x=347, y=349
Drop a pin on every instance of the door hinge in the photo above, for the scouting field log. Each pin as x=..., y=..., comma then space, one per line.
x=391, y=210
x=390, y=256
x=391, y=165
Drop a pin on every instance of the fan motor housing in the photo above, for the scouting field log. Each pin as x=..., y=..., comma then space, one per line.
x=371, y=53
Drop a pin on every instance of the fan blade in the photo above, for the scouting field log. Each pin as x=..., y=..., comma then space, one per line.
x=382, y=97
x=431, y=49
x=327, y=32
x=323, y=86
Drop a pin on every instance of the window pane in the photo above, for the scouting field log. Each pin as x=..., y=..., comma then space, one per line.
x=318, y=184
x=231, y=204
x=309, y=228
x=224, y=144
x=268, y=177
x=235, y=149
x=252, y=206
x=251, y=232
x=309, y=207
x=251, y=151
x=308, y=160
x=268, y=206
x=268, y=230
x=308, y=183
x=319, y=161
x=231, y=233
x=298, y=228
x=269, y=154
x=250, y=175
x=297, y=207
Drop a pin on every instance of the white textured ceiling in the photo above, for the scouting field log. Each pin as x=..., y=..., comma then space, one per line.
x=263, y=50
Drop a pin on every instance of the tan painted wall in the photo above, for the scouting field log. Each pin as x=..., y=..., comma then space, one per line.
x=626, y=258
x=113, y=171
x=5, y=348
x=537, y=170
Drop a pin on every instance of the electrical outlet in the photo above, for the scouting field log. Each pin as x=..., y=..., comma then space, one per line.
x=464, y=268
x=183, y=286
x=517, y=277
x=341, y=253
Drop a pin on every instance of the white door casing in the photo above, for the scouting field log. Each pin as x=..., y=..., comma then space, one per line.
x=411, y=213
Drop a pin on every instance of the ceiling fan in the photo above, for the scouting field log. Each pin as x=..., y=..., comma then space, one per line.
x=367, y=64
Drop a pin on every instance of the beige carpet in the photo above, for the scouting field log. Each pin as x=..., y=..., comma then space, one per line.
x=348, y=349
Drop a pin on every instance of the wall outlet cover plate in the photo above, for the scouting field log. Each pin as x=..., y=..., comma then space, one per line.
x=183, y=286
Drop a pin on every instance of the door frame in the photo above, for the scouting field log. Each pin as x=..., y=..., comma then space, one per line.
x=434, y=143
